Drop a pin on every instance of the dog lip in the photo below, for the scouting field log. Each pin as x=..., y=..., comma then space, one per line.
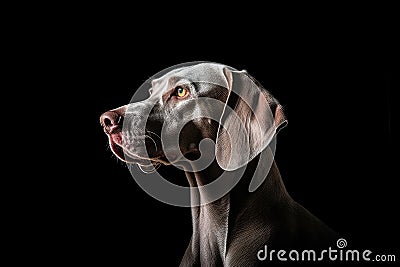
x=118, y=150
x=125, y=155
x=149, y=168
x=117, y=139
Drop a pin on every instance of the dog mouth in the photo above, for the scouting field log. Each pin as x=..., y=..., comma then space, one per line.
x=145, y=164
x=149, y=162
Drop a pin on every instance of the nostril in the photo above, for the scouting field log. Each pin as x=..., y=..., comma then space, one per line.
x=110, y=121
x=107, y=122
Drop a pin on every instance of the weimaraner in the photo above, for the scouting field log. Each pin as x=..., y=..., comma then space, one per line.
x=231, y=230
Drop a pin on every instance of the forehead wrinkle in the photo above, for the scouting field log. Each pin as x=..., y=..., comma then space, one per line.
x=207, y=73
x=159, y=85
x=172, y=81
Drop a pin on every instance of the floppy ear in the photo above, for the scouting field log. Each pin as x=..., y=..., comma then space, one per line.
x=279, y=116
x=250, y=120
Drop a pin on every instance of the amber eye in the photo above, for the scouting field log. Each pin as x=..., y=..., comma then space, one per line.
x=181, y=92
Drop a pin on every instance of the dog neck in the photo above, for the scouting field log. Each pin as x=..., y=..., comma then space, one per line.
x=214, y=223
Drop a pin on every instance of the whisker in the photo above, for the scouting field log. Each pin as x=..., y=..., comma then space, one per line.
x=108, y=147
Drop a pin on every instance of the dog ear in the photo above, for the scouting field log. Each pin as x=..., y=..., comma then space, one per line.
x=279, y=116
x=250, y=120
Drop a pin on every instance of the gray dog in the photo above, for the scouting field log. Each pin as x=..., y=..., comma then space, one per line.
x=231, y=230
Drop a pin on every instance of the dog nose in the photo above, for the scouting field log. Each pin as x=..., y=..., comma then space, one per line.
x=111, y=121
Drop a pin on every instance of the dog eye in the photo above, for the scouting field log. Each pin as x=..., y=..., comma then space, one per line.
x=181, y=92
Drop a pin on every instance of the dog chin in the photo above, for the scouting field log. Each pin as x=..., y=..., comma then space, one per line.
x=127, y=156
x=147, y=164
x=149, y=168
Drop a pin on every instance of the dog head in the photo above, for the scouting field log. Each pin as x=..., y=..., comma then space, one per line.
x=190, y=104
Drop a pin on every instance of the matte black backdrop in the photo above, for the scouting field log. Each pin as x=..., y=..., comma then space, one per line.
x=333, y=155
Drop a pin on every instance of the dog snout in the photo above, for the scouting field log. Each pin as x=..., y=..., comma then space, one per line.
x=111, y=121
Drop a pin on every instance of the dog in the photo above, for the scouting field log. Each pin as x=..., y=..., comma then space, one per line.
x=230, y=230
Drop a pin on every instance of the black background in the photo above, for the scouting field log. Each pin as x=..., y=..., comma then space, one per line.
x=334, y=82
